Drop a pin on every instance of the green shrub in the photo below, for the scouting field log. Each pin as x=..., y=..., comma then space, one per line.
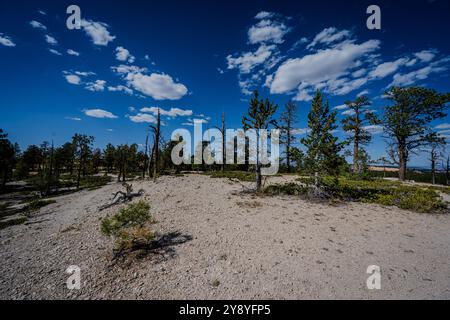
x=384, y=192
x=240, y=175
x=37, y=204
x=291, y=189
x=12, y=222
x=129, y=226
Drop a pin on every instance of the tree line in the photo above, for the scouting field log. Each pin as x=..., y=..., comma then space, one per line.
x=406, y=122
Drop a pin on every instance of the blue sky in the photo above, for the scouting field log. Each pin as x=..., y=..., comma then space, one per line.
x=197, y=59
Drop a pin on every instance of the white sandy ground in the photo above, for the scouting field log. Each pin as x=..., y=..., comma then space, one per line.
x=256, y=247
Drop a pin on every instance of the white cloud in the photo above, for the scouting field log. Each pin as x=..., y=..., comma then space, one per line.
x=56, y=52
x=267, y=31
x=359, y=73
x=50, y=40
x=121, y=88
x=73, y=79
x=72, y=52
x=42, y=12
x=158, y=86
x=73, y=118
x=6, y=41
x=191, y=122
x=328, y=36
x=325, y=69
x=387, y=68
x=97, y=85
x=374, y=129
x=303, y=95
x=443, y=126
x=249, y=60
x=97, y=31
x=426, y=55
x=123, y=54
x=348, y=112
x=414, y=76
x=143, y=117
x=37, y=25
x=124, y=69
x=341, y=107
x=264, y=15
x=363, y=93
x=85, y=73
x=99, y=113
x=300, y=131
x=173, y=112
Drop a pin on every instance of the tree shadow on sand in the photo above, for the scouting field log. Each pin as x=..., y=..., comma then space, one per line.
x=158, y=250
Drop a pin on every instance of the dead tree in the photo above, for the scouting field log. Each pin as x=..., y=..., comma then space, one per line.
x=154, y=159
x=145, y=155
x=122, y=197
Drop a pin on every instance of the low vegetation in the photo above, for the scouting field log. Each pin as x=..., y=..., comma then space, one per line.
x=12, y=222
x=240, y=175
x=384, y=192
x=38, y=204
x=130, y=227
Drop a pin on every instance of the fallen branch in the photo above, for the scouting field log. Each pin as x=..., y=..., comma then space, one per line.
x=122, y=197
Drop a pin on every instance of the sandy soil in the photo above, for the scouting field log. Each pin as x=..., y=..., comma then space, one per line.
x=222, y=244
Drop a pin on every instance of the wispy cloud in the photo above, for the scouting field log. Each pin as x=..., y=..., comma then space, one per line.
x=123, y=54
x=37, y=25
x=72, y=52
x=99, y=113
x=97, y=31
x=73, y=118
x=51, y=40
x=97, y=85
x=6, y=41
x=173, y=112
x=55, y=52
x=143, y=117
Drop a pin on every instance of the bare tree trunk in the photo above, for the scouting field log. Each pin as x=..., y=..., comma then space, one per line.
x=433, y=166
x=49, y=177
x=223, y=141
x=156, y=162
x=79, y=172
x=402, y=159
x=288, y=148
x=151, y=162
x=258, y=165
x=355, y=156
x=145, y=155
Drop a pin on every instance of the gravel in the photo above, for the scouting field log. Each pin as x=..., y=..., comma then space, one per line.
x=220, y=243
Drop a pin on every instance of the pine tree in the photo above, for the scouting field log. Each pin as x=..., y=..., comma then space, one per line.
x=407, y=121
x=108, y=156
x=287, y=120
x=82, y=146
x=359, y=116
x=322, y=157
x=7, y=157
x=436, y=144
x=259, y=116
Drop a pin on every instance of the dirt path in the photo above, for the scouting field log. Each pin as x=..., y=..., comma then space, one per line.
x=223, y=245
